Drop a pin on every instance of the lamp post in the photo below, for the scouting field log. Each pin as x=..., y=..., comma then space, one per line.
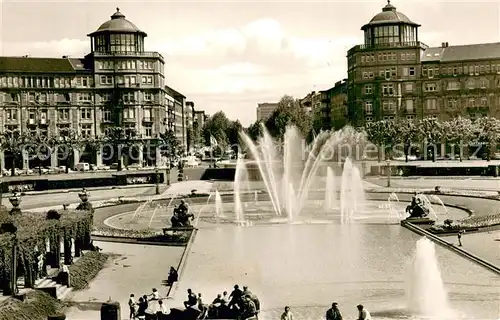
x=157, y=180
x=388, y=162
x=168, y=175
x=363, y=167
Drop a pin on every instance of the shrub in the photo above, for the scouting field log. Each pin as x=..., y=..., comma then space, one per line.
x=83, y=271
x=37, y=306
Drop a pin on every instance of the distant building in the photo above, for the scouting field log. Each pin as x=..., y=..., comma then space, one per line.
x=177, y=115
x=200, y=117
x=265, y=110
x=395, y=76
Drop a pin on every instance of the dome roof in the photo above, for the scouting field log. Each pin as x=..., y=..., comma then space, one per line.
x=118, y=24
x=389, y=15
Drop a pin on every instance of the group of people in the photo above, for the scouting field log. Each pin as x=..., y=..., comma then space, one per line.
x=332, y=314
x=148, y=307
x=241, y=304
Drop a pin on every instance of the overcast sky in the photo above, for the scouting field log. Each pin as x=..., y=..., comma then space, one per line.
x=232, y=55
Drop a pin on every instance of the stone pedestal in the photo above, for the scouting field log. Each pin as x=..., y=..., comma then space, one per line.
x=140, y=159
x=53, y=158
x=98, y=157
x=110, y=311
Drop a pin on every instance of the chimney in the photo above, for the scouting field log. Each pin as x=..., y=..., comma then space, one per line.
x=443, y=44
x=446, y=44
x=65, y=57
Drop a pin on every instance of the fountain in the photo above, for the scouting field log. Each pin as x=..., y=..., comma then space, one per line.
x=290, y=173
x=330, y=190
x=434, y=198
x=219, y=210
x=426, y=294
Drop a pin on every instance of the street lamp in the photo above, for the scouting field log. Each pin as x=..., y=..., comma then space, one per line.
x=388, y=162
x=157, y=180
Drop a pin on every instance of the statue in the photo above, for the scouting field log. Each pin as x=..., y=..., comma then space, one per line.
x=419, y=207
x=181, y=217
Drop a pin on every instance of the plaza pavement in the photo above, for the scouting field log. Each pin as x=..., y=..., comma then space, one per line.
x=485, y=245
x=469, y=183
x=134, y=269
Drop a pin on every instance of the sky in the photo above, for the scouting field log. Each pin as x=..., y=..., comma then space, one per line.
x=232, y=55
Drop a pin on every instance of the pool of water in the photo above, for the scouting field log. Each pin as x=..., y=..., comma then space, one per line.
x=309, y=266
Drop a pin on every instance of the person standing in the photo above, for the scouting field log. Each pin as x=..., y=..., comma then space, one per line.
x=287, y=315
x=132, y=304
x=333, y=313
x=363, y=314
x=459, y=236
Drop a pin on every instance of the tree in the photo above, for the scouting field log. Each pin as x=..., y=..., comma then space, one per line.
x=459, y=131
x=170, y=144
x=41, y=147
x=14, y=142
x=382, y=134
x=254, y=131
x=407, y=133
x=197, y=131
x=430, y=132
x=119, y=138
x=489, y=133
x=215, y=126
x=67, y=141
x=289, y=112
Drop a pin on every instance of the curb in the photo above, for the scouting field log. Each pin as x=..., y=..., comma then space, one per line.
x=136, y=241
x=464, y=253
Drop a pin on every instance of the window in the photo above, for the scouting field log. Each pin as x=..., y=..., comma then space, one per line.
x=106, y=115
x=368, y=89
x=147, y=79
x=410, y=117
x=411, y=71
x=370, y=74
x=86, y=130
x=41, y=97
x=63, y=114
x=484, y=83
x=106, y=80
x=471, y=84
x=11, y=114
x=484, y=102
x=148, y=130
x=472, y=102
x=409, y=87
x=31, y=97
x=453, y=85
x=430, y=87
x=369, y=119
x=388, y=89
x=128, y=97
x=147, y=114
x=452, y=103
x=365, y=75
x=147, y=96
x=31, y=114
x=388, y=105
x=86, y=113
x=106, y=97
x=431, y=104
x=476, y=70
x=84, y=97
x=430, y=73
x=368, y=107
x=409, y=105
x=129, y=113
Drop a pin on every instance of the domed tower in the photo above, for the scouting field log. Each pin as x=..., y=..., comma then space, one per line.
x=129, y=84
x=390, y=28
x=117, y=35
x=385, y=69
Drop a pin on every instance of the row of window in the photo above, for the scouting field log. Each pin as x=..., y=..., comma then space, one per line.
x=125, y=65
x=430, y=104
x=388, y=56
x=46, y=82
x=127, y=80
x=63, y=114
x=473, y=70
x=43, y=97
x=390, y=73
x=408, y=117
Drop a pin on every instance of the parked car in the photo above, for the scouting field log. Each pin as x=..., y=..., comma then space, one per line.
x=6, y=172
x=134, y=166
x=102, y=168
x=82, y=166
x=114, y=166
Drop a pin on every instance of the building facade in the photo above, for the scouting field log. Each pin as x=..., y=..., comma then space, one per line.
x=265, y=110
x=395, y=76
x=117, y=84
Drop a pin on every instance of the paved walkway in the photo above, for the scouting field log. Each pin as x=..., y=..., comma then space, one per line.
x=485, y=245
x=137, y=269
x=431, y=182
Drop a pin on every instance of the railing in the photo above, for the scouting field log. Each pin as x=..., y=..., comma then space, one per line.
x=388, y=45
x=147, y=119
x=149, y=54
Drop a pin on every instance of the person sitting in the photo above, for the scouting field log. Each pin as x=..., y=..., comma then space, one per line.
x=287, y=315
x=173, y=276
x=249, y=309
x=155, y=295
x=333, y=313
x=363, y=314
x=192, y=299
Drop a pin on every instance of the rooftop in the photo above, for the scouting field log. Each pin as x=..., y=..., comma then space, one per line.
x=482, y=51
x=389, y=15
x=118, y=24
x=41, y=65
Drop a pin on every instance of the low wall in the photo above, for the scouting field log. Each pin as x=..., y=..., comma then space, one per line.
x=464, y=253
x=437, y=170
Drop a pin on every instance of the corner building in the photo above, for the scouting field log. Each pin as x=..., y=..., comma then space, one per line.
x=117, y=84
x=395, y=76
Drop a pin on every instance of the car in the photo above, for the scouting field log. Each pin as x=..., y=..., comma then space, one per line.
x=6, y=172
x=114, y=166
x=103, y=168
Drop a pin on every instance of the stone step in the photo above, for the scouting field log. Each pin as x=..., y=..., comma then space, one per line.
x=63, y=292
x=43, y=283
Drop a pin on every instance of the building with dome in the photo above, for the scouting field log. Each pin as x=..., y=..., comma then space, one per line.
x=394, y=75
x=117, y=84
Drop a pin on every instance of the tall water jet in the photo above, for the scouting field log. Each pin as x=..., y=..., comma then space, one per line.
x=238, y=208
x=240, y=184
x=330, y=190
x=426, y=294
x=219, y=213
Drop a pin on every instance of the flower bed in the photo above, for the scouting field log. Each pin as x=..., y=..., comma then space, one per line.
x=86, y=269
x=171, y=236
x=450, y=192
x=36, y=306
x=473, y=223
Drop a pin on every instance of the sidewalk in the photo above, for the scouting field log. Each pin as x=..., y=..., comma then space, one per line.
x=485, y=245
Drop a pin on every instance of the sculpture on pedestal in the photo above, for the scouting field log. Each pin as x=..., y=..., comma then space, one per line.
x=418, y=208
